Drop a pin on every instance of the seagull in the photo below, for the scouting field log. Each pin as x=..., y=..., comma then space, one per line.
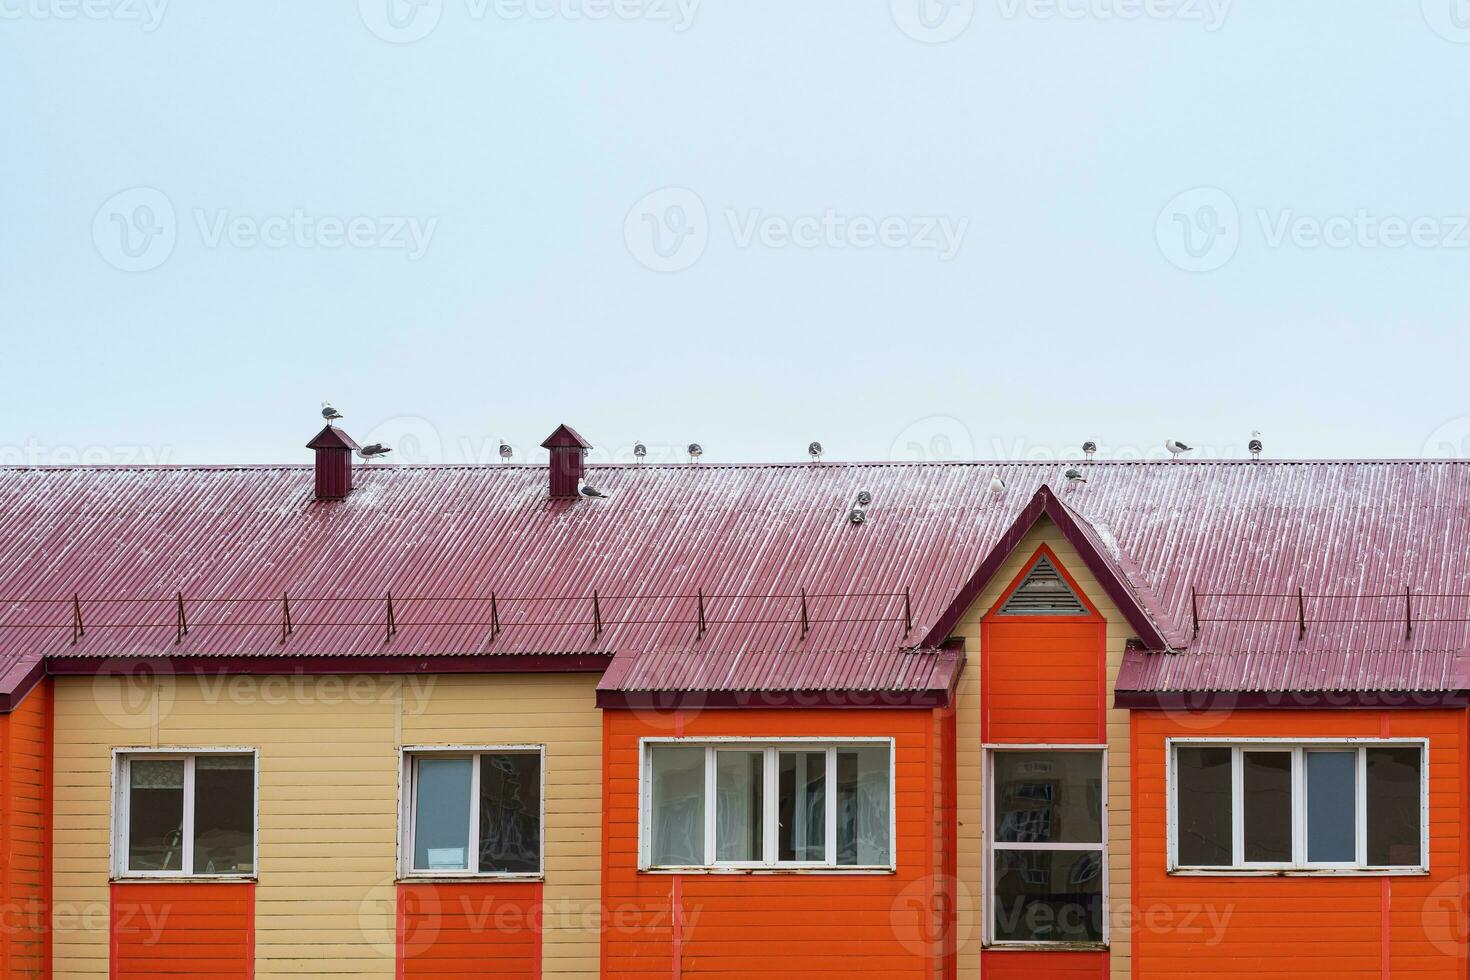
x=1255, y=445
x=1089, y=448
x=814, y=450
x=864, y=498
x=329, y=413
x=505, y=451
x=1074, y=477
x=373, y=450
x=695, y=451
x=639, y=451
x=997, y=486
x=588, y=490
x=1176, y=447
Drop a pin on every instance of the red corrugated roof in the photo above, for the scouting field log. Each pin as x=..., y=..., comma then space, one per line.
x=437, y=535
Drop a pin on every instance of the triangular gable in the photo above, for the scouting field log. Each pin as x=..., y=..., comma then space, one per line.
x=565, y=437
x=1149, y=625
x=1043, y=589
x=331, y=437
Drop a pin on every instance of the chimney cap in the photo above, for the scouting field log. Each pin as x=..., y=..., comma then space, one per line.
x=332, y=437
x=565, y=437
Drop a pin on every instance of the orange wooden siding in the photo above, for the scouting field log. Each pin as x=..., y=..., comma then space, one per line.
x=1033, y=965
x=477, y=929
x=183, y=929
x=783, y=924
x=1301, y=926
x=25, y=846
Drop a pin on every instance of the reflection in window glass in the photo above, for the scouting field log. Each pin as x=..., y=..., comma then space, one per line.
x=442, y=815
x=1204, y=793
x=1048, y=896
x=1048, y=797
x=224, y=814
x=739, y=795
x=1394, y=807
x=677, y=805
x=1332, y=816
x=1267, y=805
x=862, y=806
x=802, y=812
x=510, y=813
x=156, y=815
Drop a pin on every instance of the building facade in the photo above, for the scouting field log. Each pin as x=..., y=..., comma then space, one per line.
x=734, y=721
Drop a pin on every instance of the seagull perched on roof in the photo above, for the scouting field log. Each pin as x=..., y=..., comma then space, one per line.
x=639, y=450
x=329, y=413
x=1074, y=477
x=1255, y=445
x=374, y=450
x=814, y=450
x=695, y=451
x=588, y=490
x=997, y=486
x=505, y=451
x=1176, y=447
x=1089, y=448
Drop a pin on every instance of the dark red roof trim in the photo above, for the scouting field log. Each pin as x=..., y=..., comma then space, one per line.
x=18, y=683
x=1197, y=704
x=371, y=664
x=1046, y=502
x=657, y=701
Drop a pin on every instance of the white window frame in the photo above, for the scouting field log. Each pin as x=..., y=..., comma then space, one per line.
x=121, y=813
x=408, y=796
x=770, y=805
x=1299, y=865
x=987, y=875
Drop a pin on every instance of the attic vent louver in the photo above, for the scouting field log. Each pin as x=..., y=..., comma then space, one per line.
x=1044, y=593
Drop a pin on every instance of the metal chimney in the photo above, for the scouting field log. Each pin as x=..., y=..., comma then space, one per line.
x=568, y=461
x=334, y=449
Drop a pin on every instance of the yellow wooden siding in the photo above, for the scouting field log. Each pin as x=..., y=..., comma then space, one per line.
x=971, y=817
x=329, y=773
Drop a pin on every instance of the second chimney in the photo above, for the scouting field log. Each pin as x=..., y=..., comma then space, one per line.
x=334, y=450
x=568, y=460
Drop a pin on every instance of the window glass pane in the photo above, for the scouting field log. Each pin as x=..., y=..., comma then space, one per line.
x=678, y=805
x=739, y=792
x=1394, y=806
x=1267, y=806
x=862, y=805
x=224, y=814
x=1048, y=896
x=1043, y=797
x=156, y=815
x=510, y=813
x=442, y=815
x=802, y=834
x=1331, y=807
x=1202, y=800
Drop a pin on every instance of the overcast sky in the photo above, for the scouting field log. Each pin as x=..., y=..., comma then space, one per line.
x=910, y=229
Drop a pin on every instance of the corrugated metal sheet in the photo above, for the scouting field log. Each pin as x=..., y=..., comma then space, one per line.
x=434, y=535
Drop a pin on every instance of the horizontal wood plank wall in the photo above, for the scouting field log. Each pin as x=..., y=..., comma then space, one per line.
x=489, y=929
x=182, y=929
x=970, y=898
x=1330, y=926
x=329, y=770
x=25, y=810
x=810, y=924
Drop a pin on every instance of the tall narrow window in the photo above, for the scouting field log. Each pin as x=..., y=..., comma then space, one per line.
x=1047, y=848
x=473, y=813
x=750, y=805
x=1264, y=806
x=185, y=815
